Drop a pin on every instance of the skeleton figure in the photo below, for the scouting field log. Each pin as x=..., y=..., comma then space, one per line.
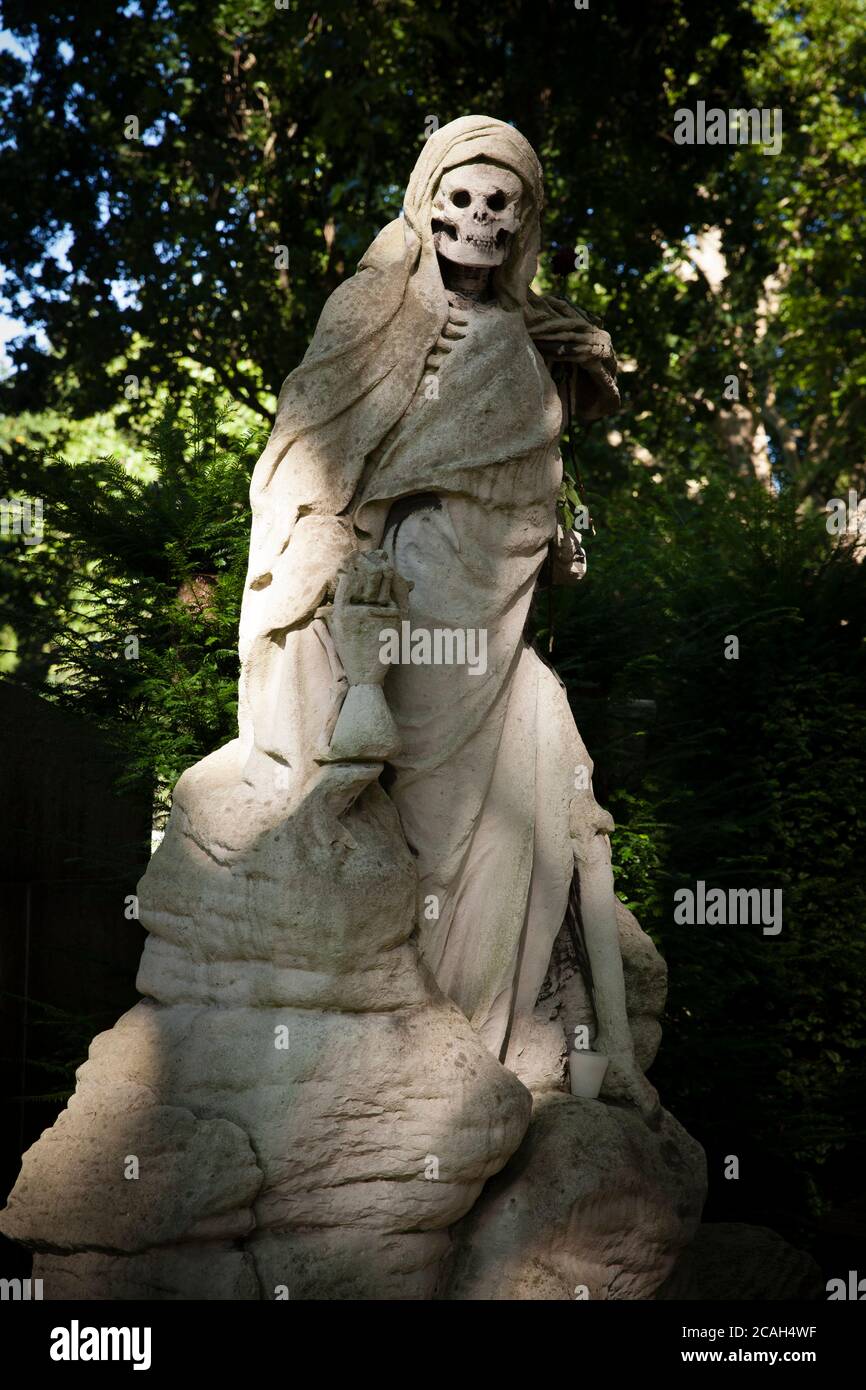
x=415, y=454
x=476, y=213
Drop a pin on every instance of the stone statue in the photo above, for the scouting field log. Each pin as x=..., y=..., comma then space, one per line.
x=355, y=1004
x=419, y=438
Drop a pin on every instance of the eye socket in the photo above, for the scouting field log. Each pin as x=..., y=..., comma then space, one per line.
x=496, y=201
x=460, y=198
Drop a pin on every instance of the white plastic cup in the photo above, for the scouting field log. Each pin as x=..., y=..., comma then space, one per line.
x=586, y=1071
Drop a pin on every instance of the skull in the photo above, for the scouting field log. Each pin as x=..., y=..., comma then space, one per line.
x=475, y=214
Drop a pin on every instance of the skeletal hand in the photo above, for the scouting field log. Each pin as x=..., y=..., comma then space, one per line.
x=590, y=347
x=366, y=578
x=369, y=595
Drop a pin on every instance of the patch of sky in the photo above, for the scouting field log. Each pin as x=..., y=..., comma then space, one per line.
x=125, y=294
x=75, y=94
x=12, y=328
x=58, y=245
x=23, y=48
x=154, y=134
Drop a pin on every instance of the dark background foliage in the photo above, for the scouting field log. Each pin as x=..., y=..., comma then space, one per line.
x=157, y=258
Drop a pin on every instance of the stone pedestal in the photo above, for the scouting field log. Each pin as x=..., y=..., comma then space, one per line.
x=294, y=1106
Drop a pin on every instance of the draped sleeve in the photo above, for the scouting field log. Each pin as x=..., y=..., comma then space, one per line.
x=553, y=321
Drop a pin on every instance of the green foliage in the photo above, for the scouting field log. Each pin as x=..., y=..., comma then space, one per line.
x=264, y=127
x=146, y=576
x=750, y=773
x=59, y=1040
x=637, y=853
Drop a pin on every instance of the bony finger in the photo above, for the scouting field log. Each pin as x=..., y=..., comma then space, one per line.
x=350, y=569
x=343, y=588
x=401, y=589
x=370, y=590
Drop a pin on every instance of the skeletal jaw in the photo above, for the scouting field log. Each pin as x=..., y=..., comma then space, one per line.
x=476, y=212
x=485, y=244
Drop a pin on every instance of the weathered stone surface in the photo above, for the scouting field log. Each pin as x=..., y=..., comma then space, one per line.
x=295, y=1079
x=350, y=1264
x=173, y=1272
x=191, y=1173
x=593, y=1198
x=728, y=1260
x=646, y=980
x=541, y=1063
